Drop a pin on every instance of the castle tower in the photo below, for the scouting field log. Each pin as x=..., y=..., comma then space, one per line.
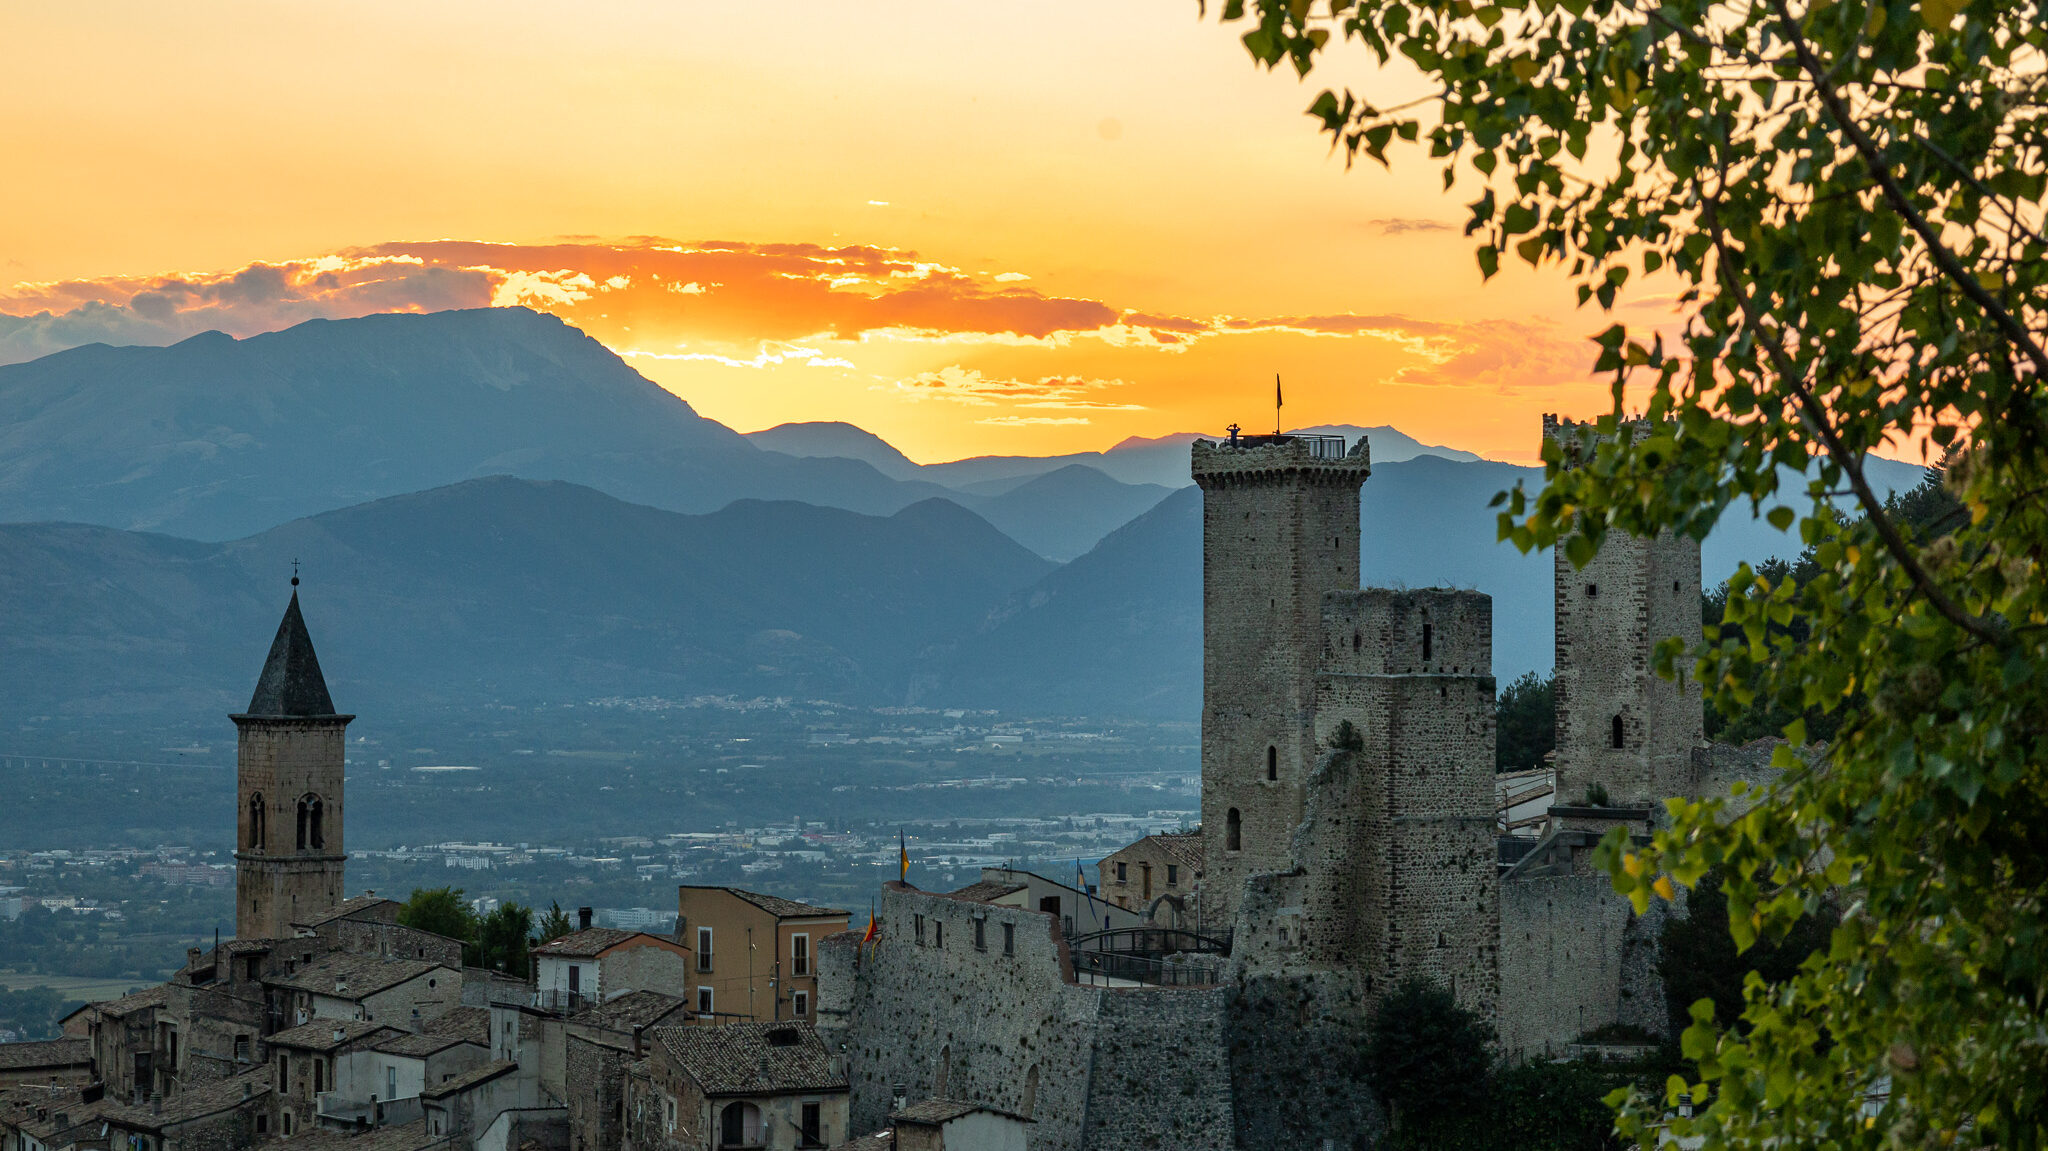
x=1620, y=727
x=288, y=765
x=1399, y=867
x=1279, y=528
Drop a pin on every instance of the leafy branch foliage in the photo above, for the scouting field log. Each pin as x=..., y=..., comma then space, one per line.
x=1846, y=197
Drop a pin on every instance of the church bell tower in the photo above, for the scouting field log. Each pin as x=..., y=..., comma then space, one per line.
x=288, y=766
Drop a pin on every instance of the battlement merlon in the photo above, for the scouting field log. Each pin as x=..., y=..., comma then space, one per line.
x=1407, y=632
x=1311, y=458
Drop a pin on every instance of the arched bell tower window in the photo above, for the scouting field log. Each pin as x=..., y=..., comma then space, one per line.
x=256, y=822
x=1619, y=737
x=1233, y=831
x=310, y=832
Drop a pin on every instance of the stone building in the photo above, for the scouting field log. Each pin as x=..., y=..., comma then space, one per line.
x=772, y=1086
x=587, y=967
x=598, y=1044
x=1079, y=912
x=1279, y=528
x=306, y=1060
x=367, y=924
x=755, y=955
x=288, y=771
x=1159, y=877
x=949, y=1125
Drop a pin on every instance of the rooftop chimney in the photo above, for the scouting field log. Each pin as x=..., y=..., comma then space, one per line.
x=583, y=919
x=192, y=958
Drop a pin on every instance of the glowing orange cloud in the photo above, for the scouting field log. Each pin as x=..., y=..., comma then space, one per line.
x=942, y=360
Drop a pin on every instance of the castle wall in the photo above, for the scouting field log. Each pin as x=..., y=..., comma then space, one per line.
x=1160, y=1073
x=959, y=1023
x=277, y=882
x=1095, y=1067
x=1279, y=528
x=1561, y=960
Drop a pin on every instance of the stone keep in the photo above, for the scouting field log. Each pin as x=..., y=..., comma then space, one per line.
x=1279, y=528
x=1619, y=725
x=288, y=768
x=1408, y=887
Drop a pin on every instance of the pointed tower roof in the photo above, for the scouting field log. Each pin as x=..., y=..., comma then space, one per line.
x=291, y=685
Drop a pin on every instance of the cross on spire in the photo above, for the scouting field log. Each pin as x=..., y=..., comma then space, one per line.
x=295, y=571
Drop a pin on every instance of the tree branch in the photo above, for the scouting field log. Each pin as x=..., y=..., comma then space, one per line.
x=1900, y=202
x=1815, y=416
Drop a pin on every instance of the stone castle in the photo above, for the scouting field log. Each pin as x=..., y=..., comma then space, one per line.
x=1350, y=841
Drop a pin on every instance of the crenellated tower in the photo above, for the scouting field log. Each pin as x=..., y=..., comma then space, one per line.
x=1620, y=727
x=288, y=767
x=1279, y=529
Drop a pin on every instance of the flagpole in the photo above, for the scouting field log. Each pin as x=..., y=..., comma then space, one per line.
x=1276, y=403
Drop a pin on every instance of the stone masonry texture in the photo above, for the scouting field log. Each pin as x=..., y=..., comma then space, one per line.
x=278, y=763
x=1279, y=528
x=1610, y=617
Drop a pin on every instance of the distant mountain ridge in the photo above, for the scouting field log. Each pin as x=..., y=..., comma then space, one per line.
x=502, y=589
x=1161, y=460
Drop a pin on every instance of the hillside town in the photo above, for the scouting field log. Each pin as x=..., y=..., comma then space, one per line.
x=1352, y=835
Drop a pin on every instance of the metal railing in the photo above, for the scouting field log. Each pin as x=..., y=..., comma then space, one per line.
x=1121, y=969
x=566, y=1002
x=1320, y=447
x=1153, y=956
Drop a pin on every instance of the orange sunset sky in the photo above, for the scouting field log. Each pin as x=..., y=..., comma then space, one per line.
x=970, y=227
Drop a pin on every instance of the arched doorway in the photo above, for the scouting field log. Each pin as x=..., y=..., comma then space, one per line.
x=739, y=1125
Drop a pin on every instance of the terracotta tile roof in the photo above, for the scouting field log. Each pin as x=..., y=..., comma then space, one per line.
x=470, y=1078
x=753, y=1058
x=319, y=1035
x=633, y=1009
x=471, y=1024
x=210, y=1097
x=931, y=1112
x=135, y=1001
x=345, y=909
x=987, y=890
x=421, y=1046
x=358, y=975
x=775, y=905
x=588, y=942
x=1184, y=846
x=48, y=1053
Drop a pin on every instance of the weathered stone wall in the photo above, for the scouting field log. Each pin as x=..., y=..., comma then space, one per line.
x=1279, y=528
x=1610, y=615
x=1296, y=1074
x=276, y=882
x=955, y=1022
x=1398, y=851
x=368, y=937
x=649, y=969
x=1160, y=1074
x=594, y=1084
x=1561, y=960
x=209, y=1020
